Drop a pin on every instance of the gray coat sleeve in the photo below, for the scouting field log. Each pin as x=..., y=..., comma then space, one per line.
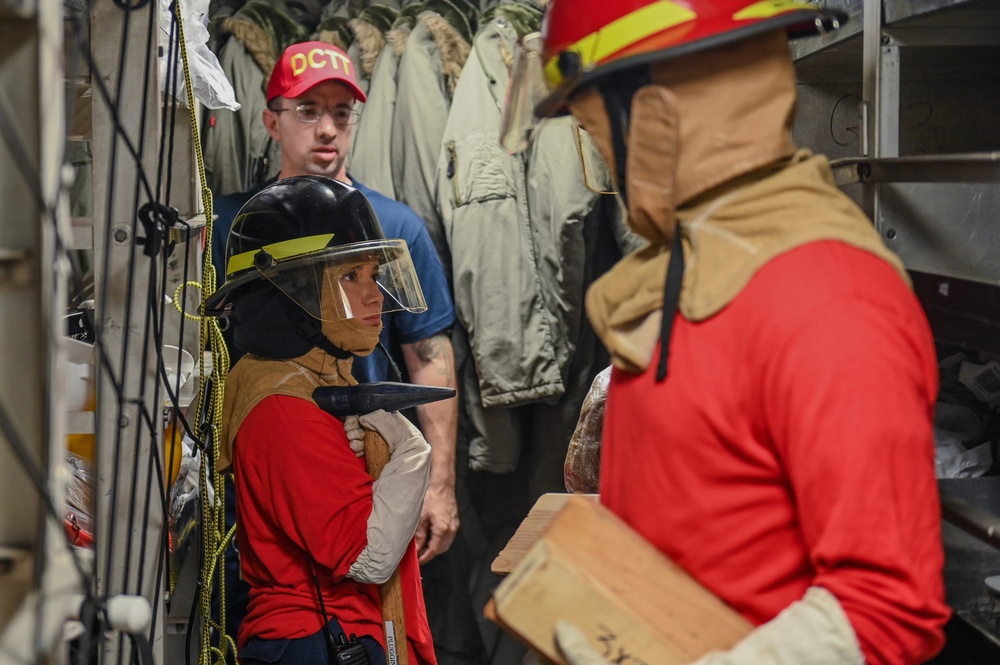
x=423, y=101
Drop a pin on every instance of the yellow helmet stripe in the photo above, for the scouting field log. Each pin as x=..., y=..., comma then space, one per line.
x=285, y=249
x=621, y=33
x=769, y=8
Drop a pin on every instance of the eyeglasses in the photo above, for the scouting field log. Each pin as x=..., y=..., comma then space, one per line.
x=596, y=176
x=310, y=114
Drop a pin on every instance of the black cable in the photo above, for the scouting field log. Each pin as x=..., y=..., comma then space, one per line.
x=140, y=646
x=168, y=128
x=167, y=140
x=94, y=620
x=154, y=319
x=190, y=624
x=127, y=7
x=155, y=467
x=393, y=367
x=331, y=643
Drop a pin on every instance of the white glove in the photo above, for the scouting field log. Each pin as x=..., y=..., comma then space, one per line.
x=575, y=647
x=355, y=435
x=811, y=631
x=397, y=497
x=393, y=426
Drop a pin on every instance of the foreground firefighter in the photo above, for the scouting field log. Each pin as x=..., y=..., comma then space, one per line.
x=769, y=416
x=309, y=274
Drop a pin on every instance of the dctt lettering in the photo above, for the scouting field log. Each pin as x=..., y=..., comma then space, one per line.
x=318, y=59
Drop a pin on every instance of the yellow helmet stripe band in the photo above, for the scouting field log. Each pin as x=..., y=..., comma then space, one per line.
x=285, y=249
x=769, y=8
x=621, y=33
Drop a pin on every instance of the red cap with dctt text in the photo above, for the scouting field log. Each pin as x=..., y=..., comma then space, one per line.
x=306, y=64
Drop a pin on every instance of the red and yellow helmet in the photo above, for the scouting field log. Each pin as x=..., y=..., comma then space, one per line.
x=584, y=40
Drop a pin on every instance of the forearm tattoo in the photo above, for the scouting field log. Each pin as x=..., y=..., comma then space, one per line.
x=436, y=350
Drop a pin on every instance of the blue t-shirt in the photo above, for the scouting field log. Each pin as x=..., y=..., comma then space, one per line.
x=398, y=221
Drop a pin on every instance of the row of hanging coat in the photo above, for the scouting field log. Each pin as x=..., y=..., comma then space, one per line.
x=521, y=237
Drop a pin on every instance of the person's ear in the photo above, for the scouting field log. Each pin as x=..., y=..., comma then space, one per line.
x=270, y=119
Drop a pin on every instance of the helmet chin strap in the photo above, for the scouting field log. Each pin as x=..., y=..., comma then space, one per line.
x=311, y=331
x=617, y=95
x=393, y=367
x=671, y=299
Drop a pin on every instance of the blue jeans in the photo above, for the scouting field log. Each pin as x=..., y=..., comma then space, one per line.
x=311, y=650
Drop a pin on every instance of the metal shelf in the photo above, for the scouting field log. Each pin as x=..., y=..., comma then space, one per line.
x=937, y=13
x=970, y=505
x=902, y=102
x=972, y=167
x=833, y=43
x=907, y=23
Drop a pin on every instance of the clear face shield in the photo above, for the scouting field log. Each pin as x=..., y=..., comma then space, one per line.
x=353, y=281
x=526, y=88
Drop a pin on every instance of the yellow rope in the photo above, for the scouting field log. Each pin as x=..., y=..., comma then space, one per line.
x=179, y=306
x=214, y=538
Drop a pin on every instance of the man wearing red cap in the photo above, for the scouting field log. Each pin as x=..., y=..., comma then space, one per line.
x=310, y=112
x=310, y=78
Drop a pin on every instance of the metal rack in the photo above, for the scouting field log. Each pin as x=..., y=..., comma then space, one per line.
x=903, y=98
x=36, y=230
x=134, y=58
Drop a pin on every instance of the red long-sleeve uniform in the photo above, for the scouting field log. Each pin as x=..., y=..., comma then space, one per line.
x=791, y=446
x=300, y=489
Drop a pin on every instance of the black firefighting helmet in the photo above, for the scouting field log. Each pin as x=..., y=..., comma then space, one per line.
x=288, y=244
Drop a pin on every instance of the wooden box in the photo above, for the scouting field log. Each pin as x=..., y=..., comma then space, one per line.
x=635, y=605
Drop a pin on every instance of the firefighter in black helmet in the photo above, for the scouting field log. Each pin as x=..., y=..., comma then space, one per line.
x=285, y=241
x=308, y=275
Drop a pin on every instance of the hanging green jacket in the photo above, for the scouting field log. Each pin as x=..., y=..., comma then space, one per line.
x=429, y=70
x=525, y=237
x=370, y=156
